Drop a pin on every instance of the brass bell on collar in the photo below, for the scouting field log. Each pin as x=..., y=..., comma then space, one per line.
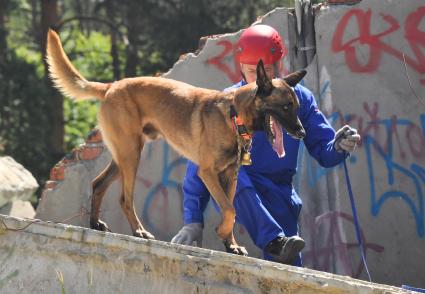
x=246, y=158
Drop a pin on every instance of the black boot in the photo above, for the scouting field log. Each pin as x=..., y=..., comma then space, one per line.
x=285, y=249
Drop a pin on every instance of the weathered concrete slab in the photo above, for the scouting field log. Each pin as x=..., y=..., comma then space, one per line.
x=15, y=181
x=365, y=83
x=42, y=257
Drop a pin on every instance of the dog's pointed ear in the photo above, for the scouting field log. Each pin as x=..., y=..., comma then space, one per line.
x=295, y=77
x=264, y=84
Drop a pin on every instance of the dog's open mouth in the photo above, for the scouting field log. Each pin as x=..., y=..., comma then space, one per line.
x=275, y=135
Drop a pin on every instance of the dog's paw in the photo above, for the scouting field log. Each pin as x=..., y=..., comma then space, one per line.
x=236, y=249
x=143, y=234
x=100, y=226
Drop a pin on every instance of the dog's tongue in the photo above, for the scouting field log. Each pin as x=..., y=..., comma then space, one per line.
x=278, y=142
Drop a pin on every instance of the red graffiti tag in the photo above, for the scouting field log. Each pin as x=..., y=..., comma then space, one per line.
x=413, y=35
x=218, y=61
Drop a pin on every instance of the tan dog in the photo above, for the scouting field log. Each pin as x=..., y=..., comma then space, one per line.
x=194, y=121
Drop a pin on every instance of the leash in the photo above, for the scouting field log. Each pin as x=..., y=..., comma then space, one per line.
x=356, y=219
x=410, y=288
x=353, y=207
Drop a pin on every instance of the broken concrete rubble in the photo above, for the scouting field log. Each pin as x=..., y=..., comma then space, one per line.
x=15, y=181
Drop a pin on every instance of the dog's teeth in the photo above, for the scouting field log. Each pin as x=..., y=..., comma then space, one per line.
x=271, y=124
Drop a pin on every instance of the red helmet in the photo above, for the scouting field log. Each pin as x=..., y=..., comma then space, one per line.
x=260, y=42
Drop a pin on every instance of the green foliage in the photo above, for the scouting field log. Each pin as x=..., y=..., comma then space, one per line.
x=168, y=29
x=80, y=118
x=23, y=122
x=90, y=56
x=24, y=125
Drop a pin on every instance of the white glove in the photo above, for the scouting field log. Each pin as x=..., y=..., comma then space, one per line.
x=189, y=234
x=346, y=139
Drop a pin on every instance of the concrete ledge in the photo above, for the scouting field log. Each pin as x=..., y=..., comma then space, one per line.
x=45, y=257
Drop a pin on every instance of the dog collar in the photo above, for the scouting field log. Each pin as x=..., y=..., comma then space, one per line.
x=244, y=138
x=238, y=125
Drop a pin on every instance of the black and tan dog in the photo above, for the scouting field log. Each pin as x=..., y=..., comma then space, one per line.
x=194, y=121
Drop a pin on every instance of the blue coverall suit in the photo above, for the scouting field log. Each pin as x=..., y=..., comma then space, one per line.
x=266, y=203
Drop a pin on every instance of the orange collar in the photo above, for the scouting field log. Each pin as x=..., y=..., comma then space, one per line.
x=238, y=124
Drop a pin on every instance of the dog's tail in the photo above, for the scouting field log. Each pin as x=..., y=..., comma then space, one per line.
x=64, y=75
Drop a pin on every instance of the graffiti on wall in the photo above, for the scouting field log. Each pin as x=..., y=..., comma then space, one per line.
x=344, y=42
x=157, y=194
x=401, y=181
x=222, y=60
x=393, y=149
x=404, y=179
x=391, y=142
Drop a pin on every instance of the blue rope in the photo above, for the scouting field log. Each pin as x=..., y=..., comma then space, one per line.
x=410, y=288
x=356, y=220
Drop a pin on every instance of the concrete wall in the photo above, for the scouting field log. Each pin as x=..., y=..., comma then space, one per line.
x=358, y=77
x=363, y=82
x=55, y=258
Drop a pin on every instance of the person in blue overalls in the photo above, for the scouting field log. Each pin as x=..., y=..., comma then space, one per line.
x=266, y=203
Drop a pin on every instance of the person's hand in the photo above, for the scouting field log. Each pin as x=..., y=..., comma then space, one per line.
x=346, y=139
x=189, y=234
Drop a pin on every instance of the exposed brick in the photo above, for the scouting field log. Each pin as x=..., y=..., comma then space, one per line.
x=50, y=185
x=57, y=173
x=89, y=153
x=70, y=157
x=95, y=136
x=85, y=152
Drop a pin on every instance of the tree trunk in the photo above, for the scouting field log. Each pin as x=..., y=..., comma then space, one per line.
x=3, y=31
x=4, y=113
x=79, y=10
x=110, y=12
x=133, y=32
x=49, y=18
x=35, y=30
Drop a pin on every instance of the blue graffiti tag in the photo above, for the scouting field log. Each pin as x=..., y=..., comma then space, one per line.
x=415, y=203
x=165, y=182
x=415, y=172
